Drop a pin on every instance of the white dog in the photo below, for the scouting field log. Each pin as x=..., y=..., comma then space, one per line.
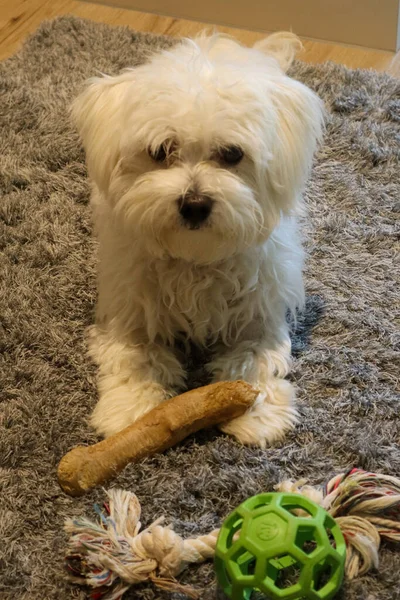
x=198, y=161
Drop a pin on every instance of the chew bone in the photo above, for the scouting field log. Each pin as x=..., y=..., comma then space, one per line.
x=84, y=467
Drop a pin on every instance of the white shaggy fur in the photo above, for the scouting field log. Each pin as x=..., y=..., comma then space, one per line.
x=229, y=283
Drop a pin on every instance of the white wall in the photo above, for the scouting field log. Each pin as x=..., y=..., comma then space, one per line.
x=372, y=23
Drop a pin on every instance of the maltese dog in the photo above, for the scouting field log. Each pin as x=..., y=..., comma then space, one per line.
x=198, y=160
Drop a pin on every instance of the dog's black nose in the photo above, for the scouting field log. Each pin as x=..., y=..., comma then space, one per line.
x=195, y=210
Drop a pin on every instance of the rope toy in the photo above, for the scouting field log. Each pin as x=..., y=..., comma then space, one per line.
x=113, y=554
x=366, y=507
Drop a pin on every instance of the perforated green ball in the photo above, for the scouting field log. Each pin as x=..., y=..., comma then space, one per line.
x=283, y=545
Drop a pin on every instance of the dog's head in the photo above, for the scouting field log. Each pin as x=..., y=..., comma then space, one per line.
x=201, y=150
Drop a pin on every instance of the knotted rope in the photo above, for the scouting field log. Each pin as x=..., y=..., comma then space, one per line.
x=113, y=554
x=366, y=507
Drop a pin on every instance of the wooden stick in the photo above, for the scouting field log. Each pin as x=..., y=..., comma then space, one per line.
x=84, y=467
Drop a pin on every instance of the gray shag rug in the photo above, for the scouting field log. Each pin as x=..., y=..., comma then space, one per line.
x=346, y=346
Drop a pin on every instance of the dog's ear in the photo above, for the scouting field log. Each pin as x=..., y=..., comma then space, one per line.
x=97, y=113
x=282, y=45
x=299, y=127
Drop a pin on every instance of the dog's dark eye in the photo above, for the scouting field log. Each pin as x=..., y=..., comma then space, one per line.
x=160, y=154
x=231, y=155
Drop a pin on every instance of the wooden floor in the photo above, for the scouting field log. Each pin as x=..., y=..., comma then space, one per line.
x=18, y=18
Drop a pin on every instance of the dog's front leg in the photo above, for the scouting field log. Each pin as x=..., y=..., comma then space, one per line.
x=264, y=365
x=134, y=376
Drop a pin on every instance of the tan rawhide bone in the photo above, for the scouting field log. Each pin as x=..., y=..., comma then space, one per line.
x=84, y=467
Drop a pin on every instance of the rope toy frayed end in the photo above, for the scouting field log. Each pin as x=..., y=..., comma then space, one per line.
x=366, y=507
x=111, y=555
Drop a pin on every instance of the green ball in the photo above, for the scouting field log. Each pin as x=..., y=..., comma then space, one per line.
x=269, y=545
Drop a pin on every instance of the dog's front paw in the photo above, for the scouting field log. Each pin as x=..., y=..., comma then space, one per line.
x=272, y=415
x=121, y=405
